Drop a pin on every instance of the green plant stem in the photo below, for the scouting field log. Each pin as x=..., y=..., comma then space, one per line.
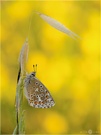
x=19, y=111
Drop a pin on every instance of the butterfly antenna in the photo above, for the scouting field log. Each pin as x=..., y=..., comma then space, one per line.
x=36, y=67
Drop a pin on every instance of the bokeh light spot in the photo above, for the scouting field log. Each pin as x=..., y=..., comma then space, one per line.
x=55, y=123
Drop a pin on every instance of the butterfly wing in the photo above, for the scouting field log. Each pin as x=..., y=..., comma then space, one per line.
x=37, y=94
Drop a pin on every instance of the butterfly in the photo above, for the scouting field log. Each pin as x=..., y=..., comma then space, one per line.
x=36, y=93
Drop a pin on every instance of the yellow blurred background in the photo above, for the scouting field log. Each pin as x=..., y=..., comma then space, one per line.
x=69, y=69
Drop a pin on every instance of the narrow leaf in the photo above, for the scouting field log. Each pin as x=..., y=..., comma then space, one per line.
x=23, y=57
x=54, y=23
x=19, y=129
x=15, y=131
x=22, y=124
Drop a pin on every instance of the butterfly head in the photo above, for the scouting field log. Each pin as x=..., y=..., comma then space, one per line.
x=35, y=69
x=33, y=74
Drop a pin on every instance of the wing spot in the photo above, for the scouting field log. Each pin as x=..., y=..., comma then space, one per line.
x=35, y=102
x=46, y=96
x=34, y=94
x=31, y=101
x=43, y=102
x=47, y=92
x=41, y=95
x=41, y=90
x=41, y=86
x=36, y=83
x=39, y=102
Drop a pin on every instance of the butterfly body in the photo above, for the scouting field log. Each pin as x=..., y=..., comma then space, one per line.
x=37, y=94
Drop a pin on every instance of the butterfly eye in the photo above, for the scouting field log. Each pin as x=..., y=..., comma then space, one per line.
x=33, y=74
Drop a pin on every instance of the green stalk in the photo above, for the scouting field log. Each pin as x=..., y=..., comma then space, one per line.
x=19, y=129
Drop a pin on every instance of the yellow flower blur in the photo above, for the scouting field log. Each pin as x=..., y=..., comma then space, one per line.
x=69, y=69
x=55, y=123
